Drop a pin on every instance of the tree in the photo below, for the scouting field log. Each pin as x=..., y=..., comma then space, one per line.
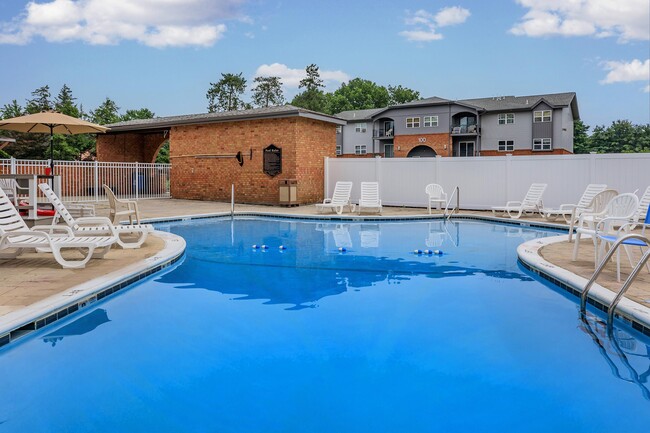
x=40, y=101
x=142, y=113
x=64, y=102
x=106, y=113
x=225, y=94
x=402, y=95
x=357, y=94
x=163, y=154
x=13, y=109
x=268, y=91
x=312, y=98
x=580, y=138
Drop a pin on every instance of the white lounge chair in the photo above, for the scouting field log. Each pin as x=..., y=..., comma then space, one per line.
x=16, y=236
x=92, y=226
x=369, y=197
x=121, y=208
x=570, y=212
x=532, y=202
x=340, y=198
x=619, y=211
x=436, y=195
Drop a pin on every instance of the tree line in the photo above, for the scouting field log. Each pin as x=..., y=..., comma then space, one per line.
x=622, y=136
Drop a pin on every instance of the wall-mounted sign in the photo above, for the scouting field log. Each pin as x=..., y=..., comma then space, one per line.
x=272, y=164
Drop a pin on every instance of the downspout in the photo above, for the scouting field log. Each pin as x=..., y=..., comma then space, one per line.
x=449, y=148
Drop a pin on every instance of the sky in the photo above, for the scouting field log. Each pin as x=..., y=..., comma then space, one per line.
x=163, y=54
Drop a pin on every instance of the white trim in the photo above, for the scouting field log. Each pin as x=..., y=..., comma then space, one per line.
x=431, y=120
x=542, y=116
x=506, y=148
x=506, y=119
x=414, y=121
x=543, y=144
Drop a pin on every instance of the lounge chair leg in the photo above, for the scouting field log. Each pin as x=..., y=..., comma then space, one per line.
x=576, y=245
x=72, y=264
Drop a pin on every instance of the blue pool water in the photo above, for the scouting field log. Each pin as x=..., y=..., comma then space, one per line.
x=311, y=339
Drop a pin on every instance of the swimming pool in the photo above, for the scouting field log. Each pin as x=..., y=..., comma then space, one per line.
x=313, y=339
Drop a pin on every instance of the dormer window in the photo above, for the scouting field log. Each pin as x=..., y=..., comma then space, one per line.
x=542, y=116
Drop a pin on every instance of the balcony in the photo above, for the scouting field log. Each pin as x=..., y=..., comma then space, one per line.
x=382, y=133
x=465, y=130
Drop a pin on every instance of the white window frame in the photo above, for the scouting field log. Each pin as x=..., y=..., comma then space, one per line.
x=430, y=121
x=506, y=118
x=339, y=149
x=540, y=116
x=542, y=144
x=339, y=129
x=412, y=122
x=508, y=145
x=360, y=149
x=361, y=127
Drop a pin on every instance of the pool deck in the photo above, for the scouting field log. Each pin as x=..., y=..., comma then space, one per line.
x=34, y=278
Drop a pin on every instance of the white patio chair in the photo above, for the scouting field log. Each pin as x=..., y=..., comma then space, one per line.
x=436, y=195
x=92, y=226
x=16, y=236
x=619, y=211
x=532, y=202
x=13, y=189
x=644, y=203
x=570, y=212
x=340, y=198
x=595, y=212
x=369, y=197
x=624, y=230
x=121, y=208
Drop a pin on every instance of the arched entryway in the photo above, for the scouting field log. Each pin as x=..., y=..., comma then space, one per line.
x=421, y=151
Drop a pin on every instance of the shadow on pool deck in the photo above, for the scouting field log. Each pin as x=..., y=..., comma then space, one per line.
x=33, y=277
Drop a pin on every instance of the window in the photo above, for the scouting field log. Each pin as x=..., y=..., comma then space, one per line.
x=542, y=144
x=429, y=121
x=506, y=145
x=339, y=129
x=361, y=127
x=412, y=122
x=542, y=116
x=506, y=118
x=339, y=151
x=360, y=149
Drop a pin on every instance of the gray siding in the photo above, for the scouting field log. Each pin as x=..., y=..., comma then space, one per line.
x=520, y=131
x=399, y=117
x=351, y=138
x=563, y=128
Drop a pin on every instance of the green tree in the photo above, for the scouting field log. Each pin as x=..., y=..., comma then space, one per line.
x=358, y=94
x=13, y=109
x=163, y=154
x=581, y=142
x=142, y=113
x=225, y=94
x=64, y=102
x=312, y=98
x=268, y=92
x=402, y=95
x=106, y=113
x=40, y=101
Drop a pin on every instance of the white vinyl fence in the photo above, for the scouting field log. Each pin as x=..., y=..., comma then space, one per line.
x=83, y=180
x=490, y=181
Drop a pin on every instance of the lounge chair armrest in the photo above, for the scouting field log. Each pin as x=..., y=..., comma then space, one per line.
x=601, y=223
x=36, y=233
x=53, y=229
x=568, y=206
x=327, y=201
x=93, y=221
x=513, y=203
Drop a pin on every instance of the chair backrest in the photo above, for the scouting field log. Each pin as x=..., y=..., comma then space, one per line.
x=112, y=200
x=434, y=190
x=622, y=206
x=59, y=207
x=10, y=219
x=644, y=202
x=369, y=193
x=534, y=194
x=342, y=191
x=600, y=200
x=589, y=194
x=9, y=187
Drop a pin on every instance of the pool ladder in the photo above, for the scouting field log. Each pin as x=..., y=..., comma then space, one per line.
x=455, y=192
x=628, y=282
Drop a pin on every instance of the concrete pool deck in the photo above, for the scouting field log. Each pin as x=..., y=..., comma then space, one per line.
x=34, y=278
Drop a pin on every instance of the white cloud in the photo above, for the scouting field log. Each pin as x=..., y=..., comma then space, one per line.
x=626, y=19
x=154, y=23
x=291, y=77
x=626, y=72
x=426, y=24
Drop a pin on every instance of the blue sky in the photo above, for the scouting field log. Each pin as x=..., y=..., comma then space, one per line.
x=162, y=54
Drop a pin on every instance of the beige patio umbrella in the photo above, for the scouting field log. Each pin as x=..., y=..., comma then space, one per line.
x=52, y=122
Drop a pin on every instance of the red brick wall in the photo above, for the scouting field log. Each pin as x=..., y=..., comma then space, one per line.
x=403, y=144
x=304, y=144
x=129, y=147
x=526, y=152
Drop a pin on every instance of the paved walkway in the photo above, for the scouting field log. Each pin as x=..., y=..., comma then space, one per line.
x=34, y=277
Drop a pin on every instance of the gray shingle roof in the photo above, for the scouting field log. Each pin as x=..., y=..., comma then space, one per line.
x=353, y=115
x=502, y=103
x=226, y=116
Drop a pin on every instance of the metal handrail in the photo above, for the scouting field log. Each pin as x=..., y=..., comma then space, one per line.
x=628, y=282
x=456, y=192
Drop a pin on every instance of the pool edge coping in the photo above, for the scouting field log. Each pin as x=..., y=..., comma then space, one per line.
x=629, y=311
x=46, y=311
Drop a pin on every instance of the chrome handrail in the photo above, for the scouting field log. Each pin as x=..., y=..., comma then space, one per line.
x=456, y=192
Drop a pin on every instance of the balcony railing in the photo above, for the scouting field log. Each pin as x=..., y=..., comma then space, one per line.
x=383, y=133
x=466, y=129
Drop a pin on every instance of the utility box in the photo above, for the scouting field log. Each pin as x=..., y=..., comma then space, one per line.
x=289, y=192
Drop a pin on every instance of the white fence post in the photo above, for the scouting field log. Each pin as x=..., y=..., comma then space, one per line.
x=96, y=179
x=436, y=168
x=508, y=174
x=592, y=167
x=13, y=166
x=137, y=181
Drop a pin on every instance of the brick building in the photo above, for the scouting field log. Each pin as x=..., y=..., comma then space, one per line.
x=210, y=152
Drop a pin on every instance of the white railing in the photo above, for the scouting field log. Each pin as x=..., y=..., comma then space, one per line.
x=83, y=180
x=490, y=180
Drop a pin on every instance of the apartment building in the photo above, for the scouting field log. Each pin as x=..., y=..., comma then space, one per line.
x=518, y=125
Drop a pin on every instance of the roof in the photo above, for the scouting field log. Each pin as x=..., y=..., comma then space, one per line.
x=356, y=115
x=224, y=116
x=505, y=103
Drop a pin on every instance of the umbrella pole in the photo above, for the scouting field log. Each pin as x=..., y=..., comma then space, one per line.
x=51, y=150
